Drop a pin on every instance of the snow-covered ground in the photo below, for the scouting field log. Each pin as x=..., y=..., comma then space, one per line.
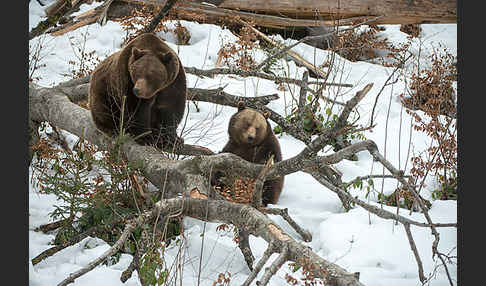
x=355, y=240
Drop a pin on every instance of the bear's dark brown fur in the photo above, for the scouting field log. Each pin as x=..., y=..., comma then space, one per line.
x=149, y=73
x=251, y=138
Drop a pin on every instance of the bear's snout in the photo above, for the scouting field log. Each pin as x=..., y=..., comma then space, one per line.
x=250, y=138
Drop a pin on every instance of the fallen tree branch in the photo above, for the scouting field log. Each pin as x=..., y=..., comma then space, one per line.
x=258, y=224
x=243, y=73
x=50, y=104
x=57, y=109
x=218, y=96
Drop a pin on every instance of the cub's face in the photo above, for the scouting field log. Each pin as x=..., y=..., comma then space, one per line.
x=249, y=127
x=149, y=72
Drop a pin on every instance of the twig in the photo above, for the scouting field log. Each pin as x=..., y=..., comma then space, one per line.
x=385, y=84
x=361, y=178
x=445, y=267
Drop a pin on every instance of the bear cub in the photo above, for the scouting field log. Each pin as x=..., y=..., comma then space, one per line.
x=251, y=138
x=150, y=75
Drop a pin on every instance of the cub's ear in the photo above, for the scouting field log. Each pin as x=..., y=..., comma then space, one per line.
x=241, y=105
x=266, y=114
x=137, y=53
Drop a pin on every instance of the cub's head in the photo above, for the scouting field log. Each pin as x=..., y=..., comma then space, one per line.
x=151, y=72
x=248, y=126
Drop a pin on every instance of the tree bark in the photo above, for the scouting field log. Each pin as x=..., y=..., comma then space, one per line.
x=394, y=11
x=277, y=14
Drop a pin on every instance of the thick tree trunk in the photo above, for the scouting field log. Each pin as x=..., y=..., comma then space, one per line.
x=277, y=14
x=394, y=11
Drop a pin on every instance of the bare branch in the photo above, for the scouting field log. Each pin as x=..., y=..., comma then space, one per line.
x=220, y=97
x=242, y=73
x=415, y=252
x=270, y=271
x=266, y=255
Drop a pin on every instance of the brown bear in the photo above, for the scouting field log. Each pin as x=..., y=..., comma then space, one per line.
x=251, y=138
x=151, y=76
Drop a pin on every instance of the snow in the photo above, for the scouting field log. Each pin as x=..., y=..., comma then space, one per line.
x=355, y=240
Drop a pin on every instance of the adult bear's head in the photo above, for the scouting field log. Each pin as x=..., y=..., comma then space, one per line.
x=151, y=72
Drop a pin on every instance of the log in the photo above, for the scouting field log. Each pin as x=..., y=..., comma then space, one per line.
x=393, y=11
x=281, y=15
x=214, y=15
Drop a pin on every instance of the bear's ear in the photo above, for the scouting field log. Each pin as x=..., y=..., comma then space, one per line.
x=171, y=63
x=137, y=53
x=166, y=58
x=266, y=114
x=241, y=105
